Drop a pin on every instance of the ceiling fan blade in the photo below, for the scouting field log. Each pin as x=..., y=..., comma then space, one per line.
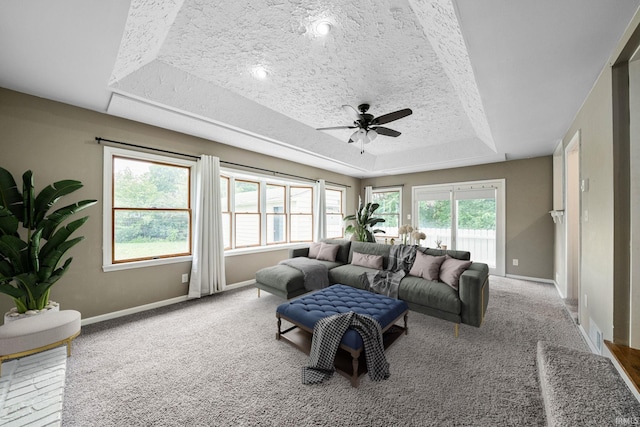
x=337, y=127
x=386, y=118
x=386, y=131
x=352, y=112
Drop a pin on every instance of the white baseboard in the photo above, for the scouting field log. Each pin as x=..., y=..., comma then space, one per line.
x=240, y=284
x=132, y=310
x=531, y=279
x=558, y=289
x=157, y=304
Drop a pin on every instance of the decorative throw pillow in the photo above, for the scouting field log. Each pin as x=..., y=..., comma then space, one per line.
x=314, y=248
x=451, y=269
x=427, y=266
x=327, y=252
x=367, y=260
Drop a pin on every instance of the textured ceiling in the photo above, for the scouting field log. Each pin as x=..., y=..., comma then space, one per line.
x=378, y=52
x=487, y=80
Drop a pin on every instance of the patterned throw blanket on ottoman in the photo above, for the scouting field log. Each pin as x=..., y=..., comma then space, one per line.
x=386, y=282
x=316, y=274
x=327, y=334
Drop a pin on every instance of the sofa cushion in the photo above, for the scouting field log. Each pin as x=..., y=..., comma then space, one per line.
x=426, y=266
x=463, y=255
x=367, y=260
x=371, y=249
x=451, y=269
x=328, y=252
x=349, y=274
x=427, y=293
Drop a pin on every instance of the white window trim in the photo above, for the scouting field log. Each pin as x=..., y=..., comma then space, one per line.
x=343, y=199
x=500, y=186
x=264, y=180
x=401, y=221
x=107, y=191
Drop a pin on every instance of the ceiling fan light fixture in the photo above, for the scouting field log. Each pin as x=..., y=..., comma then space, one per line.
x=372, y=134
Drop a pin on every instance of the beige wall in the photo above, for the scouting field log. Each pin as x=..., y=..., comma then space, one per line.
x=529, y=198
x=56, y=141
x=599, y=293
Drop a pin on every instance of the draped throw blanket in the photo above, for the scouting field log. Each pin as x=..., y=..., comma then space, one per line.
x=327, y=335
x=386, y=282
x=316, y=274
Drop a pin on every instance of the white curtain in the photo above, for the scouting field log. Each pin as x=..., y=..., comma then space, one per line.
x=207, y=268
x=368, y=194
x=321, y=211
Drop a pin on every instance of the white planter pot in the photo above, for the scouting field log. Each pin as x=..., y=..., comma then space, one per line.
x=13, y=315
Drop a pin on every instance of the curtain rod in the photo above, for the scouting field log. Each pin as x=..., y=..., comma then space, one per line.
x=99, y=140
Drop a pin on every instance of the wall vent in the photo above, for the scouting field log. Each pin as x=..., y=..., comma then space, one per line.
x=595, y=334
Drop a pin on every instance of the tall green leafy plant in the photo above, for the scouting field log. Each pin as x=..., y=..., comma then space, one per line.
x=363, y=221
x=32, y=240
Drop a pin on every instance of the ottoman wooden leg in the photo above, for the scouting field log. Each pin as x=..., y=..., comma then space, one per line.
x=355, y=379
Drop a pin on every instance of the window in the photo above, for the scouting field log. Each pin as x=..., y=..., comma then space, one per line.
x=301, y=214
x=147, y=202
x=247, y=213
x=276, y=214
x=390, y=201
x=464, y=216
x=265, y=211
x=226, y=211
x=335, y=213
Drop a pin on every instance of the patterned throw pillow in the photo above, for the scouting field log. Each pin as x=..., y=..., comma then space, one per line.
x=367, y=260
x=427, y=266
x=328, y=252
x=451, y=269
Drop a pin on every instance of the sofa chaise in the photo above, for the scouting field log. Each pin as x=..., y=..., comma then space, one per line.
x=465, y=303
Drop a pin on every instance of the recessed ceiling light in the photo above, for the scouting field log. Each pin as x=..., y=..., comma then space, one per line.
x=260, y=73
x=323, y=28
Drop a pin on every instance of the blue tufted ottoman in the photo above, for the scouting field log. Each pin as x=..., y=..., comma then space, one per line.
x=303, y=312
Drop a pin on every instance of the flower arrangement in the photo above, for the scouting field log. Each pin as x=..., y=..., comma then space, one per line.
x=417, y=236
x=405, y=231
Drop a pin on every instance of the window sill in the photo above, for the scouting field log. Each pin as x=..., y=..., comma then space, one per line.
x=147, y=263
x=259, y=249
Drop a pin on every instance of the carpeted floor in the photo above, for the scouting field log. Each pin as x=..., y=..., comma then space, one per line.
x=216, y=361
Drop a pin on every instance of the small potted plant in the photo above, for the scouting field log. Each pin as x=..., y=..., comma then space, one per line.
x=34, y=240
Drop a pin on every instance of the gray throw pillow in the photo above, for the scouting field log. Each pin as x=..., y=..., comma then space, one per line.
x=427, y=266
x=367, y=260
x=451, y=270
x=327, y=252
x=314, y=248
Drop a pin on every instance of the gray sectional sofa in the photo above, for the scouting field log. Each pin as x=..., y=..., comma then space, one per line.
x=467, y=304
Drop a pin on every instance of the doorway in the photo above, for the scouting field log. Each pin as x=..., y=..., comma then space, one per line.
x=573, y=215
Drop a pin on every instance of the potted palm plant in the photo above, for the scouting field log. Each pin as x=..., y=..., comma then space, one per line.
x=33, y=240
x=363, y=222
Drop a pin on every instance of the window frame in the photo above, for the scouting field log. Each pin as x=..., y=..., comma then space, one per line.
x=265, y=180
x=377, y=214
x=109, y=153
x=343, y=208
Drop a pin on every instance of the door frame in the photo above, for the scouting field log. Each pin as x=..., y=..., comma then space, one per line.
x=573, y=184
x=501, y=220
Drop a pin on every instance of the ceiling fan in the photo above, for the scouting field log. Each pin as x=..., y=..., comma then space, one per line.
x=368, y=127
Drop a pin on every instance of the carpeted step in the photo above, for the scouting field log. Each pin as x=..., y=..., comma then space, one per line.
x=583, y=389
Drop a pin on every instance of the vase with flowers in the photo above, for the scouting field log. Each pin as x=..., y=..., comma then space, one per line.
x=417, y=236
x=405, y=231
